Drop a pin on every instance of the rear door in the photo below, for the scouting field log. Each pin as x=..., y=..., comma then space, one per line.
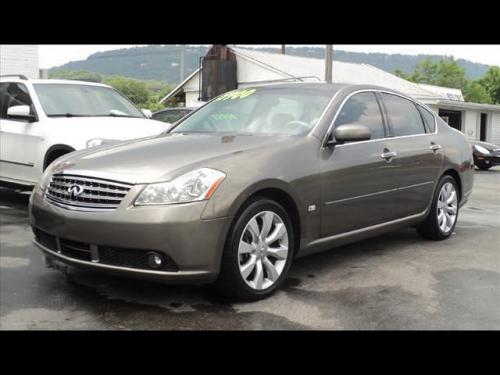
x=358, y=179
x=419, y=158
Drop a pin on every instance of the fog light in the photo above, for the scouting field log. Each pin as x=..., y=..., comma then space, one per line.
x=155, y=260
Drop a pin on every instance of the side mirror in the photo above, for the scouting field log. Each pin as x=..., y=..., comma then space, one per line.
x=147, y=113
x=21, y=112
x=351, y=133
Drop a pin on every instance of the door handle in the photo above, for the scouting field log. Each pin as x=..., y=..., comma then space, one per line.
x=434, y=147
x=388, y=155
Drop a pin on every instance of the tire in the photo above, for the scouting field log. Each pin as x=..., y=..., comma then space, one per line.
x=437, y=224
x=483, y=167
x=237, y=277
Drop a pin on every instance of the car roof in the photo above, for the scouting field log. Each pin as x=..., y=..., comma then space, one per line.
x=52, y=81
x=329, y=88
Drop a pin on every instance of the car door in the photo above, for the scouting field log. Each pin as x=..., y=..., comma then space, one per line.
x=358, y=179
x=418, y=157
x=19, y=139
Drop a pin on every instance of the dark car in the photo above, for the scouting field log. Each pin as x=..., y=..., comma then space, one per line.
x=172, y=115
x=486, y=155
x=252, y=180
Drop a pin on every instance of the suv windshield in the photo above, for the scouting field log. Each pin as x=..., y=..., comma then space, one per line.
x=83, y=101
x=259, y=111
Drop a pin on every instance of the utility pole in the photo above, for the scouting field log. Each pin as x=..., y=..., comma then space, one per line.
x=328, y=63
x=282, y=49
x=183, y=55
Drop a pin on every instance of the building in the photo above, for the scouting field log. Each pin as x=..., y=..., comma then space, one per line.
x=19, y=59
x=253, y=68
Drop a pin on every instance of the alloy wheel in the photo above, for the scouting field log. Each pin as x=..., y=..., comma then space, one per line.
x=447, y=207
x=263, y=250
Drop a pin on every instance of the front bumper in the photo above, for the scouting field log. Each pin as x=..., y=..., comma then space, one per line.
x=193, y=247
x=487, y=160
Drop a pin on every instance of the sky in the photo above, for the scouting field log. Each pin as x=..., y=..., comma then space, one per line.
x=55, y=55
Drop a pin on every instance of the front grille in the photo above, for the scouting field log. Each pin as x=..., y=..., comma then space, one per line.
x=114, y=256
x=85, y=193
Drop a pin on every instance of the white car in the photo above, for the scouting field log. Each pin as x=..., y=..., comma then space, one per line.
x=41, y=120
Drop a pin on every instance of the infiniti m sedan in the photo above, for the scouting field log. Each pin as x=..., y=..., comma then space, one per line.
x=252, y=180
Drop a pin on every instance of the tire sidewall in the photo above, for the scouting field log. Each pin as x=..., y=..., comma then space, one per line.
x=231, y=249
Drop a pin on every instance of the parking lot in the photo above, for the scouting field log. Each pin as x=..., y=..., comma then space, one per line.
x=396, y=281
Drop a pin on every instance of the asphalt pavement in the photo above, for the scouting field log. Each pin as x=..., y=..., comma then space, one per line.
x=395, y=281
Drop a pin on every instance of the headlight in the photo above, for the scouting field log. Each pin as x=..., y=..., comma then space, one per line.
x=194, y=186
x=45, y=179
x=481, y=149
x=99, y=141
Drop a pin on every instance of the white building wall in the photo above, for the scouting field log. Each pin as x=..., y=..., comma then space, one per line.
x=19, y=59
x=493, y=135
x=470, y=124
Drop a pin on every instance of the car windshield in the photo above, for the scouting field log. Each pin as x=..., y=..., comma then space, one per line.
x=68, y=100
x=259, y=111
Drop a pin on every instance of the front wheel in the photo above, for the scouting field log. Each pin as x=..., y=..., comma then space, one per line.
x=258, y=252
x=442, y=217
x=483, y=167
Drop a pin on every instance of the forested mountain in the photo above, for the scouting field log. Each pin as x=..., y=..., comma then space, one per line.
x=162, y=62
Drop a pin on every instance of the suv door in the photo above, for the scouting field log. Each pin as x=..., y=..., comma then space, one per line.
x=358, y=179
x=19, y=139
x=418, y=157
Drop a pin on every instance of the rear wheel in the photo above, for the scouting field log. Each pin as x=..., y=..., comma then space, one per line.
x=258, y=252
x=443, y=215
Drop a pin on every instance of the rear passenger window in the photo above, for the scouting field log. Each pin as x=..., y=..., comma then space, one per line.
x=429, y=120
x=362, y=109
x=403, y=116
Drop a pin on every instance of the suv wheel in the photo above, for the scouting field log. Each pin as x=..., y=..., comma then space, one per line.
x=258, y=252
x=443, y=215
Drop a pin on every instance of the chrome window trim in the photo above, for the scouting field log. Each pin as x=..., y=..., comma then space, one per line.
x=323, y=114
x=325, y=137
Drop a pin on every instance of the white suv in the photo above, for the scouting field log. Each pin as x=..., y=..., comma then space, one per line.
x=41, y=120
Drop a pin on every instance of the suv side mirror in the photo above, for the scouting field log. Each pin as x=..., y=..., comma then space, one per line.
x=351, y=133
x=21, y=112
x=147, y=113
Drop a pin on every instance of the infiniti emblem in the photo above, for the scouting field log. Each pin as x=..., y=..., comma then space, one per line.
x=75, y=190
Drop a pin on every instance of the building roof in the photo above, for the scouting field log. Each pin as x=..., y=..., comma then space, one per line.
x=343, y=72
x=298, y=68
x=464, y=105
x=445, y=92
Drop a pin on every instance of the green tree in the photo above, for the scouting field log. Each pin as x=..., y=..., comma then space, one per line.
x=491, y=82
x=446, y=73
x=475, y=92
x=133, y=89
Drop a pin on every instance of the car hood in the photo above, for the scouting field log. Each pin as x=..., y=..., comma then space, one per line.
x=488, y=146
x=117, y=128
x=161, y=158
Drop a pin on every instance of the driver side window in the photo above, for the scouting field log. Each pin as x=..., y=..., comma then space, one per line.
x=362, y=109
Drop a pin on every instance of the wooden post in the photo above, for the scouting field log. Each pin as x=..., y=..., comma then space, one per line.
x=328, y=63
